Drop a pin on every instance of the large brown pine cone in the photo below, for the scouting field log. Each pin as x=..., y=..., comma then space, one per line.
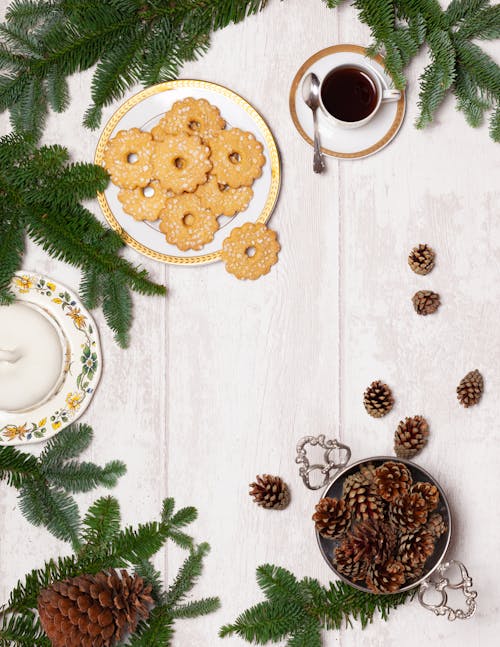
x=470, y=389
x=409, y=512
x=421, y=259
x=414, y=550
x=93, y=610
x=372, y=541
x=332, y=518
x=386, y=578
x=378, y=399
x=426, y=302
x=411, y=436
x=392, y=479
x=361, y=497
x=270, y=492
x=436, y=525
x=429, y=492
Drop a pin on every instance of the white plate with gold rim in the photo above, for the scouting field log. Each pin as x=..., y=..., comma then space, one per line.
x=50, y=360
x=336, y=141
x=144, y=110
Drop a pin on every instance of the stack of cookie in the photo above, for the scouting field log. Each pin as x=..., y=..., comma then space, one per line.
x=188, y=171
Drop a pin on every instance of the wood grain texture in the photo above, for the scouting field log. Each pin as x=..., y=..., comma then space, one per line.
x=223, y=377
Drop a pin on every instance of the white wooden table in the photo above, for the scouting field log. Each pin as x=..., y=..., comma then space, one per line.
x=223, y=376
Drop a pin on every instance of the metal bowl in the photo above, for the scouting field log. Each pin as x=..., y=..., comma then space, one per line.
x=334, y=490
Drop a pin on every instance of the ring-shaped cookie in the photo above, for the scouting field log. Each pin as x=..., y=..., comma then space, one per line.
x=190, y=116
x=144, y=203
x=221, y=199
x=236, y=157
x=180, y=162
x=127, y=158
x=250, y=251
x=186, y=223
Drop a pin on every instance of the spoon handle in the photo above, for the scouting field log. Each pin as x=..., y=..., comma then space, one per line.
x=318, y=159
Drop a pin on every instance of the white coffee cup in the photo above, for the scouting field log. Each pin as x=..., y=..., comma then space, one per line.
x=384, y=94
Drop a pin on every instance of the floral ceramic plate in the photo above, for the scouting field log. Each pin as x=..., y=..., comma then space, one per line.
x=80, y=370
x=143, y=111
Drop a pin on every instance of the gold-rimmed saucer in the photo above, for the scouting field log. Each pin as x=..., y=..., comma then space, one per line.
x=337, y=142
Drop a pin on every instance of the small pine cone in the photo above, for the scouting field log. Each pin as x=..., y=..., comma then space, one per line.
x=270, y=492
x=470, y=389
x=361, y=497
x=386, y=578
x=373, y=541
x=392, y=480
x=436, y=525
x=414, y=550
x=93, y=610
x=429, y=493
x=378, y=399
x=421, y=259
x=409, y=512
x=426, y=302
x=411, y=436
x=346, y=563
x=332, y=518
x=367, y=472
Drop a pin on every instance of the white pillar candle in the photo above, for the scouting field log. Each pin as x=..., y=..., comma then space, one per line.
x=31, y=356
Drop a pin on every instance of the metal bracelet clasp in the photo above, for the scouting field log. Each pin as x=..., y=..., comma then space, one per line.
x=331, y=463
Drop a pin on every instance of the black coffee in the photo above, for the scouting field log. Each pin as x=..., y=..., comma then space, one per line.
x=349, y=94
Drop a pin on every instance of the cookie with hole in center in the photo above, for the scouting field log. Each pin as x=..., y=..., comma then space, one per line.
x=250, y=251
x=221, y=199
x=181, y=162
x=192, y=117
x=127, y=158
x=144, y=203
x=237, y=157
x=186, y=223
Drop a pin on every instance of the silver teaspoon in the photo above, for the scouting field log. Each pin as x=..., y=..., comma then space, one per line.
x=310, y=94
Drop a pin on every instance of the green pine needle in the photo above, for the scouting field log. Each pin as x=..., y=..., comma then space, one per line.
x=298, y=610
x=42, y=194
x=102, y=546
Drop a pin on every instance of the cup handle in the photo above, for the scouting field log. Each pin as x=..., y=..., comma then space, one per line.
x=442, y=584
x=390, y=95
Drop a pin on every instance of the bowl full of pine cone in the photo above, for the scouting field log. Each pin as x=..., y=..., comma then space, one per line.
x=383, y=525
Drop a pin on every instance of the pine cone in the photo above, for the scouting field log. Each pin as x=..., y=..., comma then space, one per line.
x=426, y=302
x=270, y=492
x=378, y=399
x=436, y=525
x=411, y=436
x=332, y=518
x=386, y=578
x=421, y=259
x=470, y=389
x=429, y=493
x=409, y=512
x=93, y=610
x=392, y=480
x=348, y=563
x=361, y=498
x=414, y=550
x=373, y=541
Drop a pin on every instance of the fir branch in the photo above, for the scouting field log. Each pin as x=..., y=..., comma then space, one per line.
x=102, y=546
x=41, y=194
x=45, y=483
x=299, y=610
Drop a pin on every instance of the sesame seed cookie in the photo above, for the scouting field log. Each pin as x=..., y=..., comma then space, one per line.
x=186, y=223
x=127, y=158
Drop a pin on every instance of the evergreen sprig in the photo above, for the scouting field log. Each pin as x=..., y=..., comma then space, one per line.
x=401, y=27
x=103, y=545
x=41, y=194
x=45, y=484
x=298, y=610
x=131, y=41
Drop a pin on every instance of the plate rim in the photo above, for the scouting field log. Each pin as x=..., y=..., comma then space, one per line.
x=134, y=100
x=366, y=152
x=47, y=409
